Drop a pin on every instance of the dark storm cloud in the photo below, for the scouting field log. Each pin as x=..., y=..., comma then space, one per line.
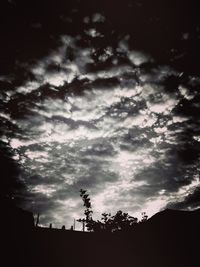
x=136, y=137
x=71, y=123
x=191, y=201
x=164, y=176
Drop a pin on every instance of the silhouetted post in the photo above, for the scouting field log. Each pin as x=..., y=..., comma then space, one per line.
x=37, y=220
x=63, y=227
x=74, y=224
x=50, y=226
x=83, y=221
x=72, y=229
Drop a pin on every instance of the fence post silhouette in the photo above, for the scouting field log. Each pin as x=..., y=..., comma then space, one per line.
x=74, y=224
x=37, y=220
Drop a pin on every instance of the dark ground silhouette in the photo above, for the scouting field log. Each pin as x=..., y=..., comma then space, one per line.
x=169, y=238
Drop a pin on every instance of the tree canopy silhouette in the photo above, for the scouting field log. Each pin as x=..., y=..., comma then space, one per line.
x=121, y=221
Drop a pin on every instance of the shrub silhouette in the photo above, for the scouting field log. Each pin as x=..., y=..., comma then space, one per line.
x=122, y=221
x=144, y=217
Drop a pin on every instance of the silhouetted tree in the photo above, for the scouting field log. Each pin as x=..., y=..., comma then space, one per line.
x=121, y=221
x=88, y=221
x=11, y=184
x=144, y=217
x=106, y=221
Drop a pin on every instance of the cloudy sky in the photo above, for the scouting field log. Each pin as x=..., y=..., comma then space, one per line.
x=97, y=113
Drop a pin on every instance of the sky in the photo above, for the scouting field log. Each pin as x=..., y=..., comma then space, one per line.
x=100, y=114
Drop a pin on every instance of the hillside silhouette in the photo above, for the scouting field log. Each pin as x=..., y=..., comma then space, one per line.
x=169, y=238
